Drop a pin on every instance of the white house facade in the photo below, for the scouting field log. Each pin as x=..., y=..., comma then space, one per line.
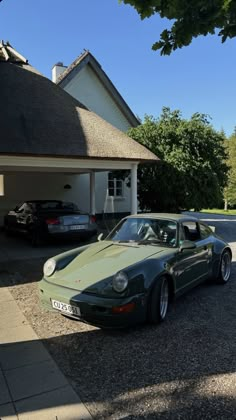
x=85, y=80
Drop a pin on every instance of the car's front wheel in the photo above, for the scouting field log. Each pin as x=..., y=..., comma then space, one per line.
x=159, y=301
x=225, y=268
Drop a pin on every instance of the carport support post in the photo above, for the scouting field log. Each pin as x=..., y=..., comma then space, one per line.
x=92, y=193
x=134, y=205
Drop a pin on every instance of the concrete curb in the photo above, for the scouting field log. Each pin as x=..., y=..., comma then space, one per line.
x=32, y=386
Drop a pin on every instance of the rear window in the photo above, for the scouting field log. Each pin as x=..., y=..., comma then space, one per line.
x=56, y=205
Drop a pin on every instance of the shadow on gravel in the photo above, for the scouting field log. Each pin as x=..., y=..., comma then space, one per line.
x=184, y=368
x=21, y=272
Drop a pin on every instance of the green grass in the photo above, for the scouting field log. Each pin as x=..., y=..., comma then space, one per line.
x=219, y=211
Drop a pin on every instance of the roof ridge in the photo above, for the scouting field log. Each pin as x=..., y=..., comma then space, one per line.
x=78, y=59
x=8, y=53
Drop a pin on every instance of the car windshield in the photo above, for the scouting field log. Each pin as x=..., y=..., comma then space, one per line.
x=56, y=205
x=145, y=231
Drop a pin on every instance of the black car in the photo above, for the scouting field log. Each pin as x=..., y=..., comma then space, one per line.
x=41, y=220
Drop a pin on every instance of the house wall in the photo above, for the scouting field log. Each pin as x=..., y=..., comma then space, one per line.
x=87, y=88
x=104, y=203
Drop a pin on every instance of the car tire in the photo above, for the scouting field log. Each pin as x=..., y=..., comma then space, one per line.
x=224, y=268
x=159, y=301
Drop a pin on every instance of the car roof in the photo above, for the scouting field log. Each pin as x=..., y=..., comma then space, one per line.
x=170, y=216
x=43, y=201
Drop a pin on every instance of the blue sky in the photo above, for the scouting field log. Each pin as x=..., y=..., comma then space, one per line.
x=198, y=78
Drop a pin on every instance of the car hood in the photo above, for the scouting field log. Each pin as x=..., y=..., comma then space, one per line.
x=92, y=269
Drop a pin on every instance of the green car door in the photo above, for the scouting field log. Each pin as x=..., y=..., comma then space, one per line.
x=191, y=264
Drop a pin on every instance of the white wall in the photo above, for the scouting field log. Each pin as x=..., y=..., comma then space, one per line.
x=104, y=203
x=87, y=88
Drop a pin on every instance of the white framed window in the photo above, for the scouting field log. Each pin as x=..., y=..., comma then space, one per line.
x=115, y=186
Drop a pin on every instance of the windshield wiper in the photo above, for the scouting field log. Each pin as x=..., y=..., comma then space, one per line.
x=149, y=241
x=125, y=241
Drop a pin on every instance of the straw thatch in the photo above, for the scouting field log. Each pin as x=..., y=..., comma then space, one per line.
x=39, y=118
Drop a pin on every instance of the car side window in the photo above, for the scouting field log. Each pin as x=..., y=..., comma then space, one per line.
x=190, y=231
x=205, y=231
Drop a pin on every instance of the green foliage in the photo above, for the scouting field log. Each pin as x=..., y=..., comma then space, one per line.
x=230, y=190
x=192, y=172
x=190, y=18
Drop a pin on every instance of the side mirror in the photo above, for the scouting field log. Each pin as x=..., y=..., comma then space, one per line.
x=187, y=245
x=100, y=236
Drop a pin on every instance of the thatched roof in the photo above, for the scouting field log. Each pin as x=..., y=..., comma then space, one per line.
x=39, y=118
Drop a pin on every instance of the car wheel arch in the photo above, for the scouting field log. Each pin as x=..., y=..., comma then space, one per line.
x=227, y=248
x=170, y=282
x=153, y=315
x=217, y=262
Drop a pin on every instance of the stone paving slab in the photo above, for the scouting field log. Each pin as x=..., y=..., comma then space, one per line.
x=61, y=404
x=5, y=295
x=4, y=393
x=7, y=412
x=21, y=354
x=31, y=384
x=11, y=322
x=34, y=379
x=17, y=334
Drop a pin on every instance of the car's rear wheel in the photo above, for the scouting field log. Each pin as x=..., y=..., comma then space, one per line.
x=159, y=301
x=225, y=268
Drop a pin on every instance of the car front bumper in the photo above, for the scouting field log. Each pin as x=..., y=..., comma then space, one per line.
x=96, y=310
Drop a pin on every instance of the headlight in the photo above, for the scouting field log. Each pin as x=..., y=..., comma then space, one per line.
x=120, y=282
x=49, y=267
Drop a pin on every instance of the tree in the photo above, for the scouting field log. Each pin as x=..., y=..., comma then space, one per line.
x=191, y=19
x=230, y=189
x=192, y=172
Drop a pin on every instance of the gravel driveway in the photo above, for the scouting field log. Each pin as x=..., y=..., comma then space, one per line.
x=182, y=369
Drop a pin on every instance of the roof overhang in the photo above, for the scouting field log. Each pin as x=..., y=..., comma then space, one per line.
x=10, y=163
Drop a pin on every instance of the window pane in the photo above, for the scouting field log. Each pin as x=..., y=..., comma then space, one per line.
x=191, y=231
x=205, y=231
x=119, y=192
x=111, y=191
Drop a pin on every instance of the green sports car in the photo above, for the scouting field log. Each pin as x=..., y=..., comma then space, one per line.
x=133, y=274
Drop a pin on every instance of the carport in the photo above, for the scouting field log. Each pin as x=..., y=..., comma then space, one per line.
x=46, y=131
